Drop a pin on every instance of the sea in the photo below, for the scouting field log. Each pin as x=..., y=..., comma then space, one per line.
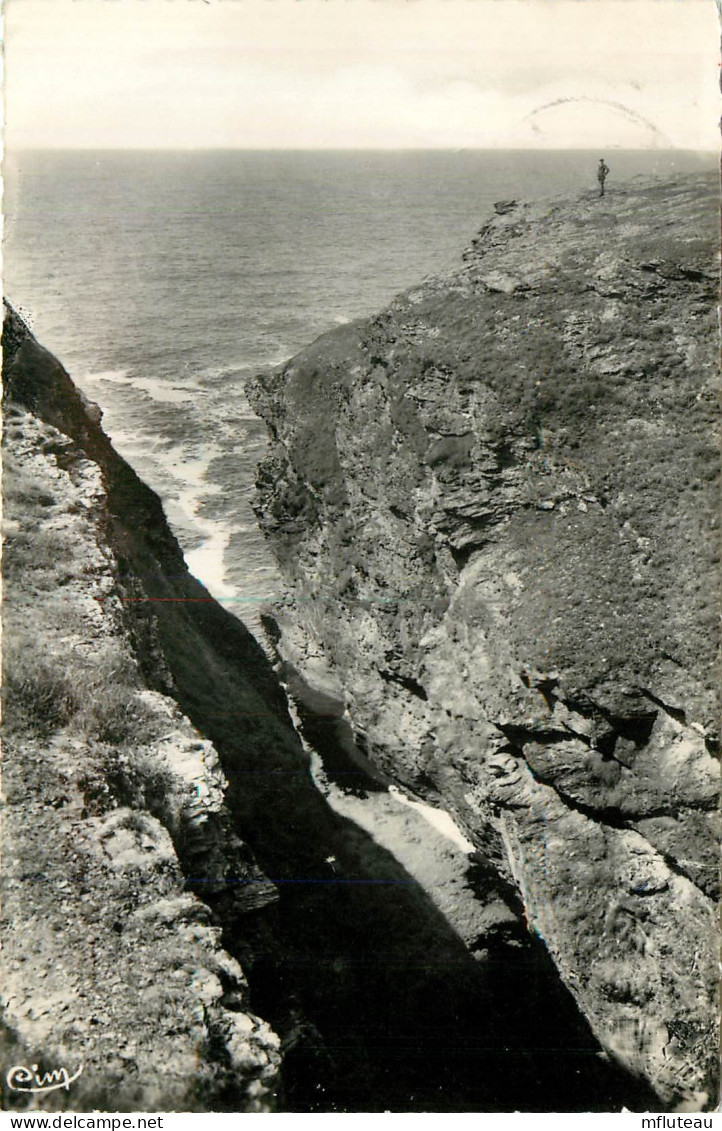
x=163, y=281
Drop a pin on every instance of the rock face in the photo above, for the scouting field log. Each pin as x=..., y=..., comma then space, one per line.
x=496, y=506
x=116, y=806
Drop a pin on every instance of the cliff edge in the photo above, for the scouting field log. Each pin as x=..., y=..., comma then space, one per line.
x=121, y=864
x=496, y=504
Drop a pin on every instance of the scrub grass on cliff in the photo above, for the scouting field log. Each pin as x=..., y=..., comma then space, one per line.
x=37, y=697
x=64, y=678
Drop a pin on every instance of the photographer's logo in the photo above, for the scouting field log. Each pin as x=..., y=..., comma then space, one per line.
x=21, y=1078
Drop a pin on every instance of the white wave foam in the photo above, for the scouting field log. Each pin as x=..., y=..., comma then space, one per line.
x=163, y=391
x=159, y=390
x=207, y=563
x=116, y=376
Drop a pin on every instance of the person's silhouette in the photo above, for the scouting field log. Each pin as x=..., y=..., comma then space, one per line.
x=602, y=171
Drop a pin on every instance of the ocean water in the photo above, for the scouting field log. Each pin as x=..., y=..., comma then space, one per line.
x=163, y=281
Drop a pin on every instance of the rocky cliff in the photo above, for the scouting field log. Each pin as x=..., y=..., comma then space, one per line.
x=116, y=806
x=185, y=915
x=496, y=507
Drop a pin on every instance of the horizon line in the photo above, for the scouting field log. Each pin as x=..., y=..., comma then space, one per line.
x=10, y=150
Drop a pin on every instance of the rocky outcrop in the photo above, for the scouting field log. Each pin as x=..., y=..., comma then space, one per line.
x=115, y=805
x=495, y=504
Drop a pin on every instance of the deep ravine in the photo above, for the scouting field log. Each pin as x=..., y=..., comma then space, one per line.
x=377, y=999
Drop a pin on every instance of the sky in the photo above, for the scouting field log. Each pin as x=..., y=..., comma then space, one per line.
x=310, y=74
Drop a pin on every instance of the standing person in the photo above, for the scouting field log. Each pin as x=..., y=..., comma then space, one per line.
x=602, y=171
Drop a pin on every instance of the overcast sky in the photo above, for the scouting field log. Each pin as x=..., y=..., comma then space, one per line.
x=361, y=73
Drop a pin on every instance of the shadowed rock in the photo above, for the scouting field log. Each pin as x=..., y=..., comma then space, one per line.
x=497, y=505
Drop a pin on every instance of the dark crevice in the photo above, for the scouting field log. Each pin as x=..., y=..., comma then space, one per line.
x=462, y=554
x=436, y=431
x=675, y=713
x=494, y=481
x=504, y=455
x=483, y=878
x=604, y=744
x=546, y=689
x=407, y=682
x=676, y=868
x=635, y=728
x=343, y=752
x=689, y=274
x=515, y=733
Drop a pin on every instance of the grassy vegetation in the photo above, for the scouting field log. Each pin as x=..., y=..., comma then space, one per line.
x=69, y=677
x=37, y=697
